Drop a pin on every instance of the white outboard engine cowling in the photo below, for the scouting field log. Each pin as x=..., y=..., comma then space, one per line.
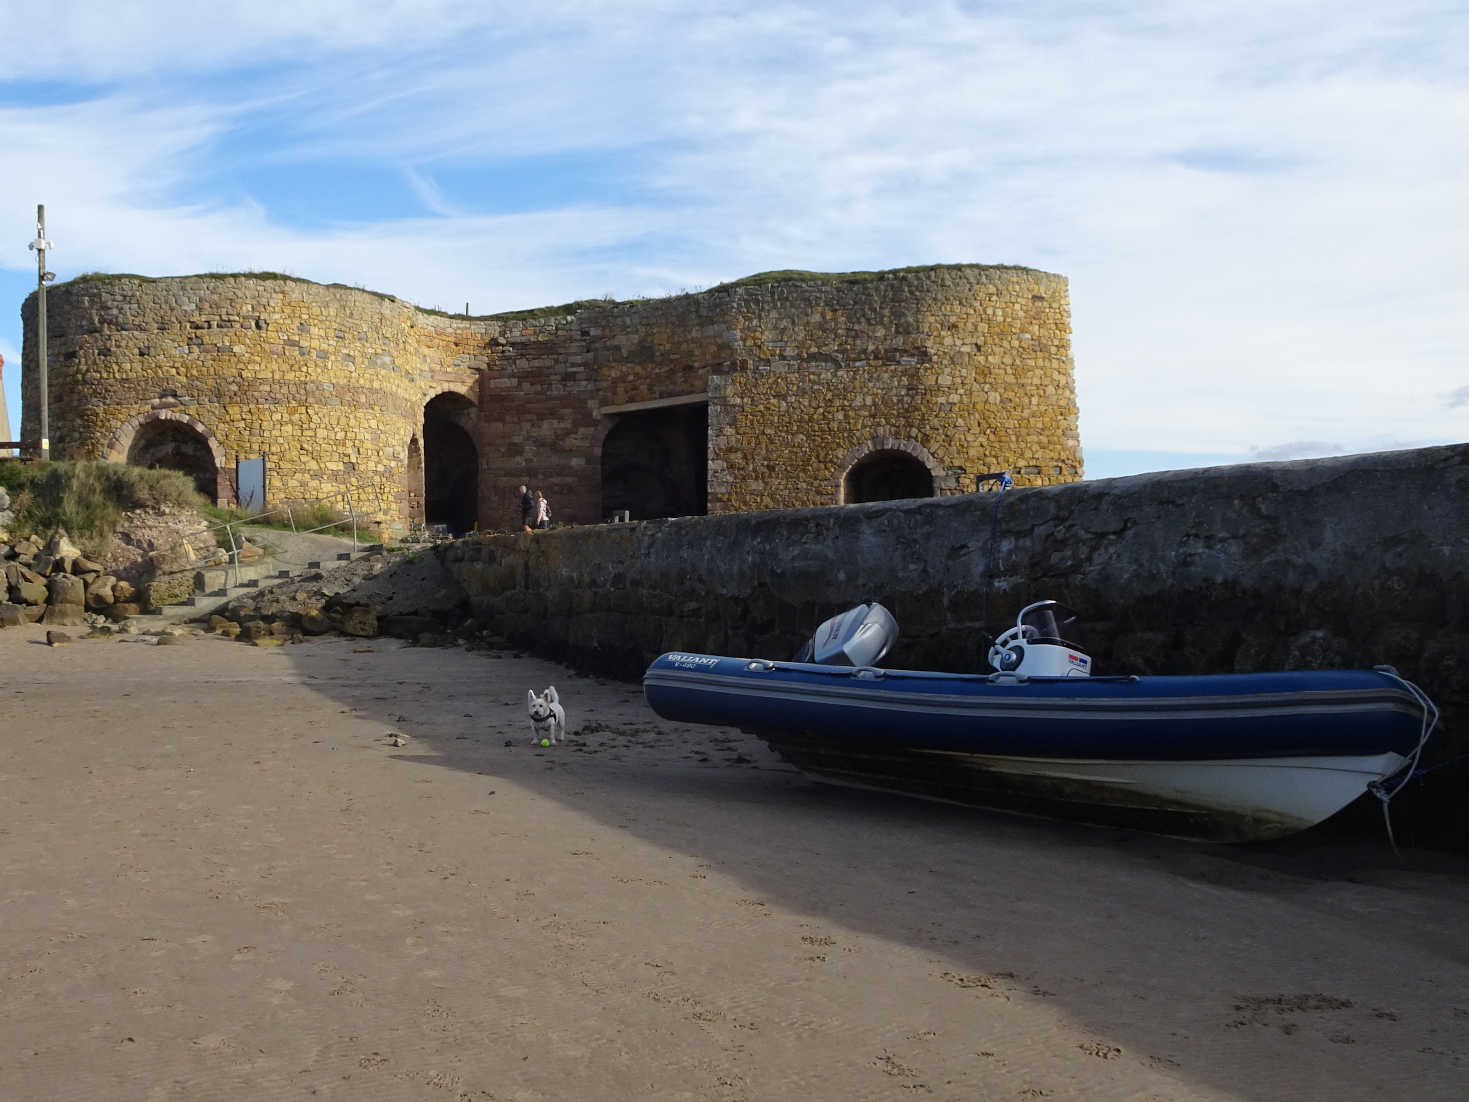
x=858, y=637
x=1041, y=644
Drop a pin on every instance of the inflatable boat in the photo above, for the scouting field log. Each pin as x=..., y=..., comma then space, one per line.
x=1231, y=757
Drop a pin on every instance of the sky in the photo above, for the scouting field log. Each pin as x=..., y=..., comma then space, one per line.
x=1259, y=204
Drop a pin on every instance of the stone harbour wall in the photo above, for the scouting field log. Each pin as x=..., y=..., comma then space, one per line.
x=1347, y=562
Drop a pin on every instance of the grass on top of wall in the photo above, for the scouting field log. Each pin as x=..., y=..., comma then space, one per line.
x=87, y=498
x=796, y=275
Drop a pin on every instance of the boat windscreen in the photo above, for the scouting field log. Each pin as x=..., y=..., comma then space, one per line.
x=1052, y=624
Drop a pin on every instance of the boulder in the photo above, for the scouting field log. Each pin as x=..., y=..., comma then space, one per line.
x=122, y=610
x=229, y=629
x=170, y=589
x=66, y=589
x=359, y=620
x=42, y=562
x=11, y=616
x=254, y=629
x=123, y=591
x=29, y=593
x=82, y=565
x=62, y=551
x=315, y=622
x=216, y=622
x=57, y=638
x=99, y=592
x=32, y=614
x=63, y=615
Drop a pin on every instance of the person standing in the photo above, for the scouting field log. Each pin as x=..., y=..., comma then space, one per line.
x=527, y=508
x=543, y=511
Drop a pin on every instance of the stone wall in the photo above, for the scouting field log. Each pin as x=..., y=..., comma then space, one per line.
x=1340, y=562
x=965, y=368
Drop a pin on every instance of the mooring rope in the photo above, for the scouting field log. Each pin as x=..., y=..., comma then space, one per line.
x=1380, y=789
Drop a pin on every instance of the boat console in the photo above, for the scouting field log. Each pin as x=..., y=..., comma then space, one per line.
x=858, y=637
x=1041, y=644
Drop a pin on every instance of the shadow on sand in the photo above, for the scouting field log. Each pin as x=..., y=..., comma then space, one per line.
x=1189, y=956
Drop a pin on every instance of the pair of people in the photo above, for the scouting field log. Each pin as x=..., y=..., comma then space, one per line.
x=535, y=510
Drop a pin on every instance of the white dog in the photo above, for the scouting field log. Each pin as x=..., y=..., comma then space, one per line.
x=547, y=717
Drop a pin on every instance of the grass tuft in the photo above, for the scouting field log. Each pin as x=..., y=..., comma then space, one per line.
x=88, y=498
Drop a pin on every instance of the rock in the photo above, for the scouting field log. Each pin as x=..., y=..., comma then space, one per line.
x=216, y=622
x=81, y=565
x=171, y=589
x=229, y=629
x=63, y=615
x=43, y=562
x=123, y=591
x=315, y=622
x=99, y=592
x=249, y=552
x=66, y=589
x=61, y=547
x=280, y=628
x=29, y=593
x=168, y=640
x=57, y=638
x=122, y=610
x=32, y=614
x=254, y=629
x=359, y=620
x=11, y=616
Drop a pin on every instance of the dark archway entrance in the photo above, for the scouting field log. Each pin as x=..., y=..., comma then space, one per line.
x=655, y=463
x=450, y=464
x=178, y=447
x=886, y=476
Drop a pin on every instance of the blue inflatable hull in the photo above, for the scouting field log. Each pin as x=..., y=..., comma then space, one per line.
x=1227, y=757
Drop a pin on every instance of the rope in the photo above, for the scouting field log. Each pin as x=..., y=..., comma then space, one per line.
x=1381, y=789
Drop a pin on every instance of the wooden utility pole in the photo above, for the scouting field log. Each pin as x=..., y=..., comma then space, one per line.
x=43, y=277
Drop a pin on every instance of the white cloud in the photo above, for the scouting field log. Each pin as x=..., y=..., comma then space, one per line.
x=1258, y=208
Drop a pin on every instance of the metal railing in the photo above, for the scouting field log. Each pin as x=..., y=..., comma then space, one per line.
x=230, y=528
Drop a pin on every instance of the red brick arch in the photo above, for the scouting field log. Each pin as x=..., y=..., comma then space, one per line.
x=121, y=443
x=882, y=444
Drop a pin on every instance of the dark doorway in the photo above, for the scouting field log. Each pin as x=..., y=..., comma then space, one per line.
x=655, y=463
x=886, y=476
x=178, y=447
x=450, y=464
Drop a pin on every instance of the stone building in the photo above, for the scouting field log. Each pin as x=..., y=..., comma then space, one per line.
x=786, y=389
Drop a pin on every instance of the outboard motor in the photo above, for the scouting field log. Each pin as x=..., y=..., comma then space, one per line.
x=858, y=637
x=1041, y=644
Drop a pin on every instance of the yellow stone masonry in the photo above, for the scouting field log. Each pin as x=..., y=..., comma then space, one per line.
x=966, y=368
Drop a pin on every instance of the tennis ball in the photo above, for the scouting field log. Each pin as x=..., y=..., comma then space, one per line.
x=545, y=742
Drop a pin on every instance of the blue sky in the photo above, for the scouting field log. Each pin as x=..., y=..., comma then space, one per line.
x=1259, y=204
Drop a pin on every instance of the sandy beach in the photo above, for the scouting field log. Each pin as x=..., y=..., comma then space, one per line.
x=220, y=879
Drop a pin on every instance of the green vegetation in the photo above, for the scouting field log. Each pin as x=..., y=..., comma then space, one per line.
x=795, y=275
x=760, y=279
x=88, y=498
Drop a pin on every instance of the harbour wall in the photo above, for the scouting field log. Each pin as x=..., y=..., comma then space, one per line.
x=1346, y=562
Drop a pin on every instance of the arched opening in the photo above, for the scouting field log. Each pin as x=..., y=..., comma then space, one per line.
x=886, y=476
x=177, y=446
x=450, y=464
x=655, y=463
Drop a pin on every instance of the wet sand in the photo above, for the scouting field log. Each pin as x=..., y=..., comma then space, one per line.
x=220, y=878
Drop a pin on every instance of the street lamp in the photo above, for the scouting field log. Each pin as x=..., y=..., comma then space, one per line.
x=43, y=277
